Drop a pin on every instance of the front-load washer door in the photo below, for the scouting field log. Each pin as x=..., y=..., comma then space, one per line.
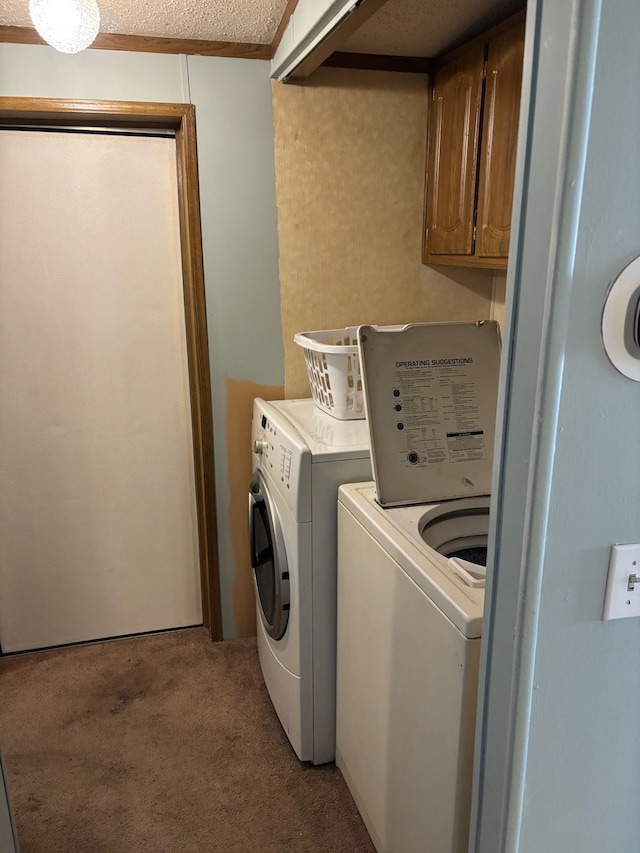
x=268, y=558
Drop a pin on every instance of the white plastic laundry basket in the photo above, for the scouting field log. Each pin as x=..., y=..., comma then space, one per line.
x=334, y=371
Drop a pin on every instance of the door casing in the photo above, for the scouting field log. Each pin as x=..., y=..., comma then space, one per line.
x=49, y=112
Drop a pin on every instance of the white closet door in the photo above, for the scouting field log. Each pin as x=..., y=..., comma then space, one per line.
x=98, y=533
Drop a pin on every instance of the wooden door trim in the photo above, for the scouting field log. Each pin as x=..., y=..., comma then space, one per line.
x=150, y=44
x=180, y=118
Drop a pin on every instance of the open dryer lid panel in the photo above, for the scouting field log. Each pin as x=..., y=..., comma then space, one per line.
x=431, y=392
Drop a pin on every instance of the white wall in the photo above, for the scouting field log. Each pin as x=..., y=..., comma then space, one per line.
x=559, y=738
x=235, y=151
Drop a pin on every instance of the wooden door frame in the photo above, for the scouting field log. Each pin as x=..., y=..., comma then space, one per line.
x=180, y=118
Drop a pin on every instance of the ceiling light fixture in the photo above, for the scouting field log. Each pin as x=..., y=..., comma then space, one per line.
x=67, y=25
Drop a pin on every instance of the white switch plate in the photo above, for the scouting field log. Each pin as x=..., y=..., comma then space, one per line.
x=620, y=602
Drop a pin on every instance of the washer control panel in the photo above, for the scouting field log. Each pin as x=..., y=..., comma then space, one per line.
x=281, y=452
x=276, y=456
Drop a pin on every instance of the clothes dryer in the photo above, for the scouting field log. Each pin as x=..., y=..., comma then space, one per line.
x=411, y=565
x=408, y=657
x=300, y=456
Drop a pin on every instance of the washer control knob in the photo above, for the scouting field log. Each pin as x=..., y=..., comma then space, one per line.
x=259, y=446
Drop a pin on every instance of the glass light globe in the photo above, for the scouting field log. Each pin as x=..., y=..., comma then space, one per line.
x=67, y=25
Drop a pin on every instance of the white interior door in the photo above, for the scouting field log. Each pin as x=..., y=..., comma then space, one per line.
x=98, y=534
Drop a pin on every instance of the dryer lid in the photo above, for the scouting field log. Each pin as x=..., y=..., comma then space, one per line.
x=431, y=393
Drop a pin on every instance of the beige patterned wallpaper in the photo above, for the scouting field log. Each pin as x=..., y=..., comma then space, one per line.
x=499, y=297
x=350, y=159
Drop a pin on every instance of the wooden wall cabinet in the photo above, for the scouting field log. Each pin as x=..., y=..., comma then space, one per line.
x=473, y=127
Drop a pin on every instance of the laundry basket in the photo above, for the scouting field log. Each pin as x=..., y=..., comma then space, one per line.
x=334, y=371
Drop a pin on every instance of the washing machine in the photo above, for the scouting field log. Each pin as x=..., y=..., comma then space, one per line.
x=300, y=456
x=411, y=573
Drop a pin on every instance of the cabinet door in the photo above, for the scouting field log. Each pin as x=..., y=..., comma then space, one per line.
x=499, y=137
x=453, y=153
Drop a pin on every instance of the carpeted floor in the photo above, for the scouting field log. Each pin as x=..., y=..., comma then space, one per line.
x=164, y=743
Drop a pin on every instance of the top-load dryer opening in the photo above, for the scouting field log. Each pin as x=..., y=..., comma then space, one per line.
x=459, y=529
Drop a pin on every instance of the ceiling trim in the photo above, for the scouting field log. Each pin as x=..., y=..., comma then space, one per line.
x=150, y=44
x=379, y=62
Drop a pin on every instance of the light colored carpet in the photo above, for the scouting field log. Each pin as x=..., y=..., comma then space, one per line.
x=165, y=743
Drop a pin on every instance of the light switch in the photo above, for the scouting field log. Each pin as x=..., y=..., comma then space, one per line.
x=622, y=598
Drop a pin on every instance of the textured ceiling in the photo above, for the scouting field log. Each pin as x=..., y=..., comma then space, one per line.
x=427, y=27
x=401, y=27
x=254, y=21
